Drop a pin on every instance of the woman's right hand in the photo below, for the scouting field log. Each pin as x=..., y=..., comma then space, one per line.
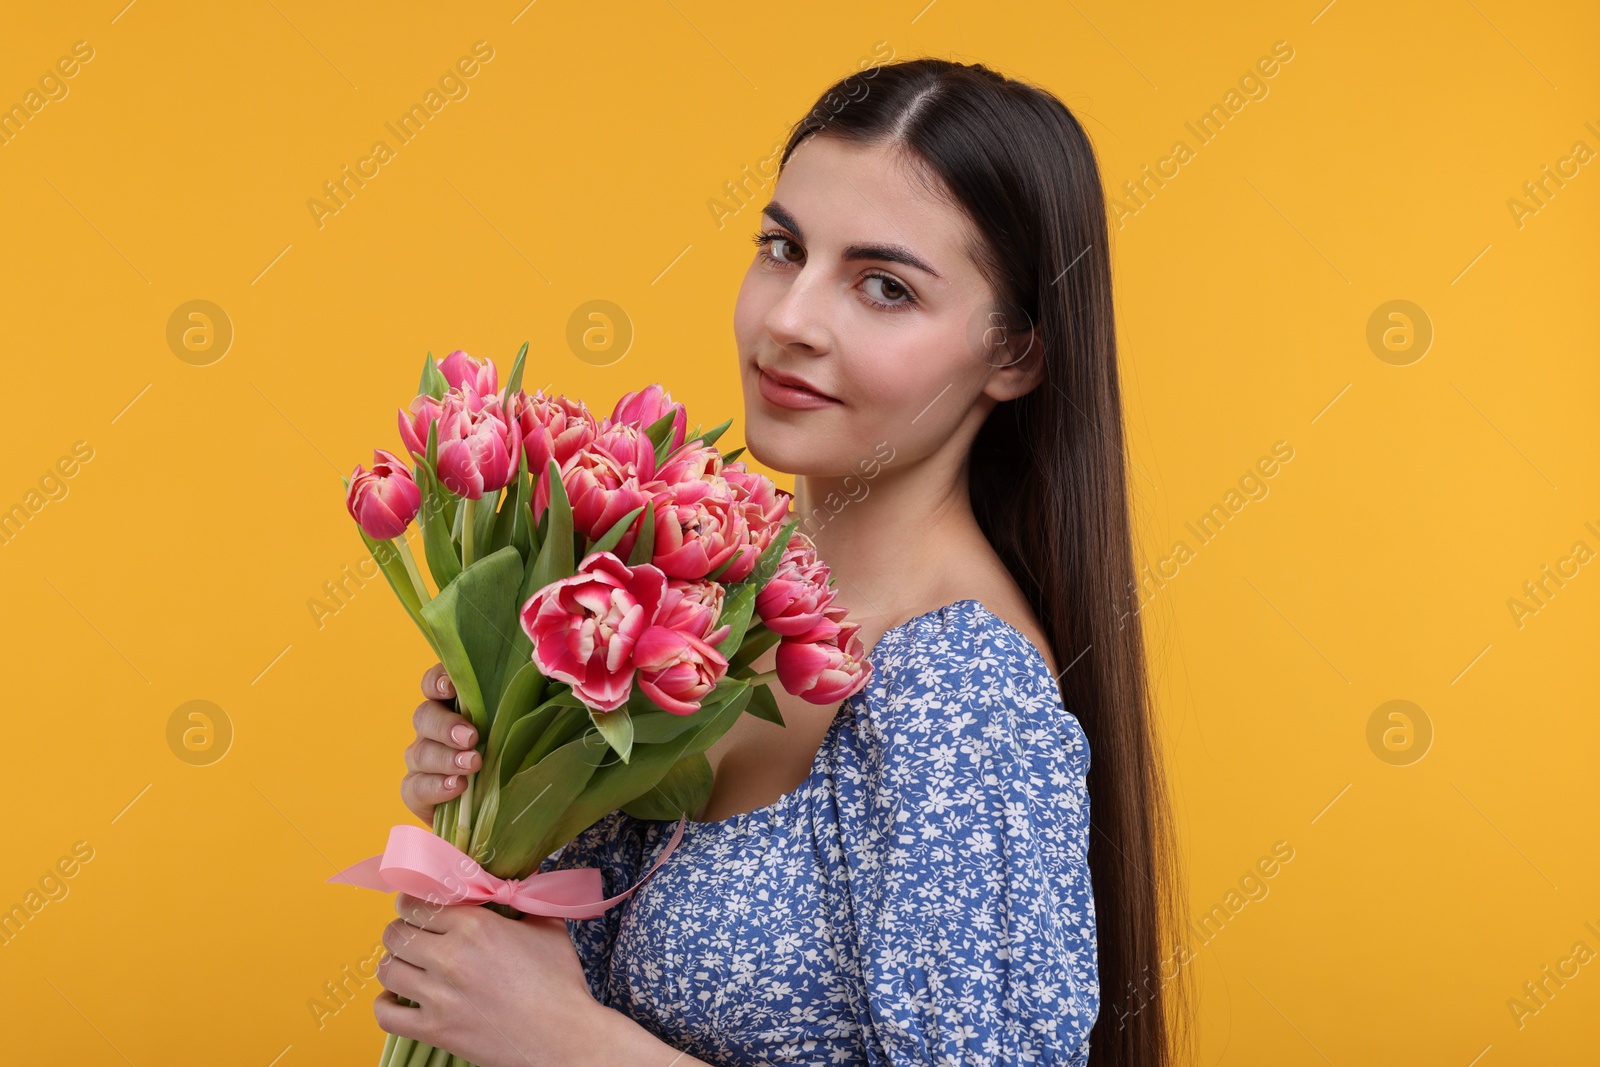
x=439, y=760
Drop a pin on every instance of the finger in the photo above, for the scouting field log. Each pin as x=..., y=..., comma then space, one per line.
x=435, y=758
x=423, y=792
x=403, y=978
x=396, y=1018
x=412, y=943
x=430, y=921
x=436, y=683
x=438, y=723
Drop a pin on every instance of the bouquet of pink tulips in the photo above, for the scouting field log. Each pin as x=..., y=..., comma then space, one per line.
x=601, y=589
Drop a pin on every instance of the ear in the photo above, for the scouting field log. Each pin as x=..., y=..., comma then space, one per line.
x=1018, y=366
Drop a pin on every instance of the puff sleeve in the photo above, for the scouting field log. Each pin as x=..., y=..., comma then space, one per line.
x=966, y=867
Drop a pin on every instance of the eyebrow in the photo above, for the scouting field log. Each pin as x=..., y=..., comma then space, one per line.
x=887, y=253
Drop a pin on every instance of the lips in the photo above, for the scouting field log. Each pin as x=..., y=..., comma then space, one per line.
x=793, y=381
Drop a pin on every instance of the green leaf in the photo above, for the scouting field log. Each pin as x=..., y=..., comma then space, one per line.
x=438, y=548
x=484, y=513
x=522, y=513
x=684, y=790
x=644, y=545
x=555, y=559
x=532, y=731
x=729, y=457
x=387, y=557
x=738, y=604
x=763, y=705
x=535, y=800
x=660, y=432
x=653, y=725
x=617, y=728
x=560, y=719
x=468, y=619
x=433, y=382
x=757, y=639
x=609, y=539
x=483, y=818
x=519, y=696
x=514, y=379
x=767, y=563
x=710, y=436
x=616, y=784
x=726, y=714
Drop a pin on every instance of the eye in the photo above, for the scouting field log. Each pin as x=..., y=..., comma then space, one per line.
x=765, y=238
x=893, y=289
x=894, y=295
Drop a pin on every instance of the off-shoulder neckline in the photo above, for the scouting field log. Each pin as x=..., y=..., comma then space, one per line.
x=972, y=604
x=978, y=608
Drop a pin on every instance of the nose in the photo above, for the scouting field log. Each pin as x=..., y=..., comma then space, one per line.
x=799, y=320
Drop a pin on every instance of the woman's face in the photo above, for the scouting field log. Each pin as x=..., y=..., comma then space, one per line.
x=865, y=292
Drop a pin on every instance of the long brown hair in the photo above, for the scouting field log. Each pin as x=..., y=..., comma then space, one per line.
x=1048, y=482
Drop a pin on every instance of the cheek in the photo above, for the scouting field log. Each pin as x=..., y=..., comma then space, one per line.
x=749, y=310
x=904, y=369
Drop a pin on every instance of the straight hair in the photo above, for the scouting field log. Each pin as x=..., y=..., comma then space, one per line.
x=1048, y=482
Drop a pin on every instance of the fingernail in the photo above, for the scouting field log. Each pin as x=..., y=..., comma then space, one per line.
x=452, y=781
x=464, y=759
x=444, y=687
x=461, y=735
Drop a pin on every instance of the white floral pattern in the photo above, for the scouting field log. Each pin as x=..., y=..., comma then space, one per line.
x=922, y=898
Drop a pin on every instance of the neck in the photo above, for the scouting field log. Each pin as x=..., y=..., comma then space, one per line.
x=897, y=543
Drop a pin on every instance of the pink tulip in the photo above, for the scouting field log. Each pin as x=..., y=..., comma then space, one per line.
x=694, y=539
x=384, y=500
x=478, y=446
x=695, y=472
x=677, y=669
x=423, y=412
x=584, y=628
x=826, y=670
x=765, y=507
x=596, y=507
x=694, y=608
x=603, y=483
x=459, y=368
x=768, y=505
x=552, y=427
x=793, y=602
x=645, y=406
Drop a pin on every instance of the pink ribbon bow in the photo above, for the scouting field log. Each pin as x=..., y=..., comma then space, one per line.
x=421, y=863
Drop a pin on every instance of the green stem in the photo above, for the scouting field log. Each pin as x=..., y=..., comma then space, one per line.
x=411, y=568
x=463, y=834
x=421, y=1055
x=401, y=1052
x=768, y=678
x=468, y=521
x=388, y=1049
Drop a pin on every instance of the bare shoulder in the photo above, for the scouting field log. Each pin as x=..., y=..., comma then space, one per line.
x=1002, y=597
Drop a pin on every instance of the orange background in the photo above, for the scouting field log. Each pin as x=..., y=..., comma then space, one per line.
x=180, y=561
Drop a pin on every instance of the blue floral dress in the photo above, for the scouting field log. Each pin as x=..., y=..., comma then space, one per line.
x=922, y=898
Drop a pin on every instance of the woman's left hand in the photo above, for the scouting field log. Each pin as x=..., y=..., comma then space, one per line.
x=493, y=990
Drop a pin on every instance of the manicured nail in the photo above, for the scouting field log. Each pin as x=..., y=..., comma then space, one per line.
x=464, y=759
x=444, y=687
x=451, y=782
x=461, y=735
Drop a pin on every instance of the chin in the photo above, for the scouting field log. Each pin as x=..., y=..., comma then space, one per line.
x=790, y=448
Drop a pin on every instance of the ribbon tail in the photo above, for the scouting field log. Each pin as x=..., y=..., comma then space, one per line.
x=549, y=898
x=364, y=874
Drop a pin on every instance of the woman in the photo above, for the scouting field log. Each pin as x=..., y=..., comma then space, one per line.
x=926, y=342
